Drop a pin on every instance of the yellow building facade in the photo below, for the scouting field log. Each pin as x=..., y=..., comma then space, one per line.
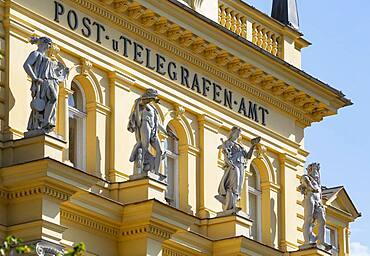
x=214, y=66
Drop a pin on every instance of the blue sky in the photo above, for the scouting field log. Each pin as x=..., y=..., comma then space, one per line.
x=340, y=53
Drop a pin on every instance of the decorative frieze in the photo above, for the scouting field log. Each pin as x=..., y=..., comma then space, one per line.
x=39, y=190
x=148, y=229
x=89, y=223
x=198, y=46
x=172, y=252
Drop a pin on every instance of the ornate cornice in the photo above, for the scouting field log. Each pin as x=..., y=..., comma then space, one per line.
x=34, y=191
x=3, y=195
x=216, y=61
x=89, y=223
x=148, y=229
x=172, y=252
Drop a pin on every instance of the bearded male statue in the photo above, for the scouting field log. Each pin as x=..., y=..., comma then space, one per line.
x=144, y=122
x=314, y=211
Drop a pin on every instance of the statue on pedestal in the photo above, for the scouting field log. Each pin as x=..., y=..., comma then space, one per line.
x=314, y=211
x=144, y=122
x=236, y=160
x=46, y=74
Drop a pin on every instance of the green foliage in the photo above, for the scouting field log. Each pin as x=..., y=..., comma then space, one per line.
x=11, y=244
x=77, y=250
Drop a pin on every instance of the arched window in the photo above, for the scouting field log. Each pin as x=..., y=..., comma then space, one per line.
x=171, y=147
x=254, y=195
x=77, y=126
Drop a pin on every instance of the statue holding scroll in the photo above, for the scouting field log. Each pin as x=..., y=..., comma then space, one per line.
x=236, y=159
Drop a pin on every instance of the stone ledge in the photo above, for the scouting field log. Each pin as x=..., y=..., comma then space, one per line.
x=32, y=148
x=311, y=250
x=227, y=226
x=139, y=190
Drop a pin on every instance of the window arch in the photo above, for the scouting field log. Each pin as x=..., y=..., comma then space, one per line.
x=254, y=202
x=171, y=148
x=77, y=126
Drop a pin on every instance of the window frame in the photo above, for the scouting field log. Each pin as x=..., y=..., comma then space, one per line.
x=335, y=248
x=175, y=156
x=258, y=193
x=80, y=117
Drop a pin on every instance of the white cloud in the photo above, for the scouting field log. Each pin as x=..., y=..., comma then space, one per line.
x=358, y=249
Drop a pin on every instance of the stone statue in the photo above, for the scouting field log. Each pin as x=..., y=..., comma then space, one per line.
x=46, y=74
x=314, y=212
x=236, y=159
x=144, y=122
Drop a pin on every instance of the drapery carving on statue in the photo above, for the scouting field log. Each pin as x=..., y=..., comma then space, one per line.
x=236, y=161
x=46, y=73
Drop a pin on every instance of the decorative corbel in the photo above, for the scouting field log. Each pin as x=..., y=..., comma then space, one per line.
x=319, y=113
x=301, y=100
x=199, y=46
x=290, y=94
x=135, y=11
x=86, y=67
x=222, y=59
x=310, y=106
x=210, y=52
x=234, y=65
x=174, y=33
x=179, y=111
x=268, y=83
x=121, y=5
x=261, y=151
x=148, y=19
x=246, y=71
x=279, y=88
x=186, y=39
x=161, y=26
x=257, y=77
x=108, y=2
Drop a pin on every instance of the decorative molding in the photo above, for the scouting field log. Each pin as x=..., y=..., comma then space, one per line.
x=179, y=111
x=86, y=67
x=275, y=95
x=3, y=195
x=40, y=190
x=261, y=151
x=89, y=223
x=150, y=229
x=172, y=252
